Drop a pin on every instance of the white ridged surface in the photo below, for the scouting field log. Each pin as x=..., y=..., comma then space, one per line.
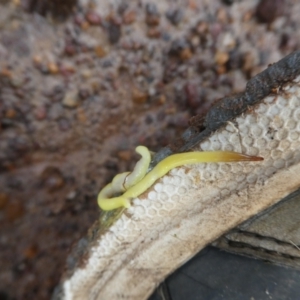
x=191, y=206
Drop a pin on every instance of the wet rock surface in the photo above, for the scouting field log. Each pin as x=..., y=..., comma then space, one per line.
x=77, y=96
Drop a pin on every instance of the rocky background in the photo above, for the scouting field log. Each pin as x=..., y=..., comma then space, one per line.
x=83, y=83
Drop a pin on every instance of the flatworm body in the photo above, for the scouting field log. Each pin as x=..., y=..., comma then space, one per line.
x=144, y=181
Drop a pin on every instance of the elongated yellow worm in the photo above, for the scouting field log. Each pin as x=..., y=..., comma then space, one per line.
x=143, y=181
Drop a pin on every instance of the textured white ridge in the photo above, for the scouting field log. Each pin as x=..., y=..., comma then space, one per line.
x=192, y=206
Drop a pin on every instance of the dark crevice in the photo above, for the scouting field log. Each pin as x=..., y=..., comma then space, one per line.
x=242, y=245
x=266, y=238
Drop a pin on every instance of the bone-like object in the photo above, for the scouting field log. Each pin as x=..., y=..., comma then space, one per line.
x=192, y=206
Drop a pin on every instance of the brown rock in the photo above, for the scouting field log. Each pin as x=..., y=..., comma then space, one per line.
x=202, y=28
x=152, y=15
x=185, y=54
x=93, y=18
x=52, y=179
x=10, y=113
x=81, y=116
x=192, y=95
x=221, y=58
x=162, y=99
x=153, y=32
x=3, y=200
x=138, y=96
x=222, y=16
x=248, y=62
x=53, y=68
x=248, y=16
x=6, y=73
x=40, y=113
x=268, y=10
x=193, y=4
x=85, y=25
x=100, y=52
x=221, y=69
x=70, y=49
x=31, y=251
x=124, y=155
x=129, y=17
